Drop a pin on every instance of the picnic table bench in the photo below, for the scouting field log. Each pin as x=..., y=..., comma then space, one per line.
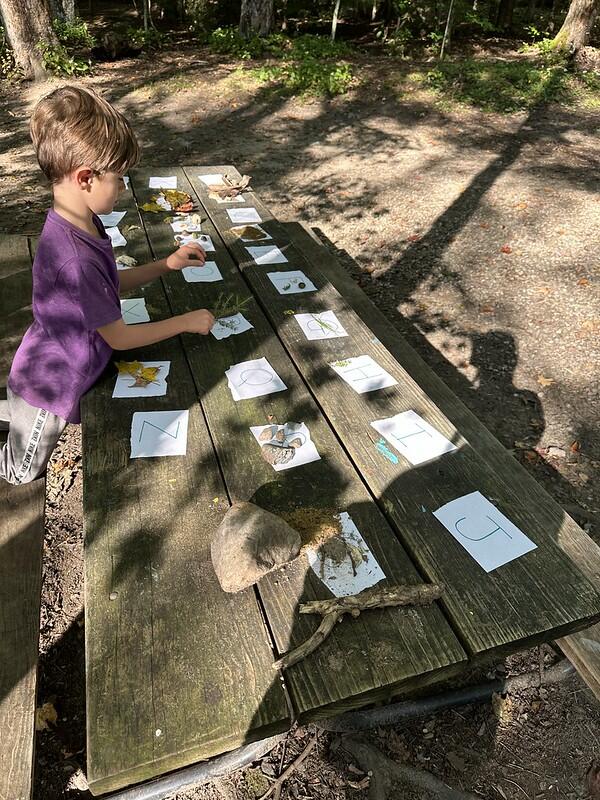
x=177, y=670
x=21, y=541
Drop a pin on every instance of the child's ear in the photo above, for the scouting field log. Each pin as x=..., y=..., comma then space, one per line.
x=84, y=177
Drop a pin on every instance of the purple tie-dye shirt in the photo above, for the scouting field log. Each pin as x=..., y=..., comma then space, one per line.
x=75, y=291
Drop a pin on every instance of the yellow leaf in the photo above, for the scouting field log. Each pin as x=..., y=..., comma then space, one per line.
x=44, y=715
x=128, y=367
x=545, y=381
x=149, y=373
x=153, y=207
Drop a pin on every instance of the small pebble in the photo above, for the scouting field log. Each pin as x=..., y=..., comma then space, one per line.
x=113, y=595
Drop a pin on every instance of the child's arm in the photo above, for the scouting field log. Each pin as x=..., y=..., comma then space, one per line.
x=191, y=253
x=120, y=336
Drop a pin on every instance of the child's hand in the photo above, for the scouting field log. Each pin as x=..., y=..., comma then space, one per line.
x=200, y=321
x=188, y=253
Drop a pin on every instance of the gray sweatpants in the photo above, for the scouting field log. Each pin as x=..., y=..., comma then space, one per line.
x=32, y=436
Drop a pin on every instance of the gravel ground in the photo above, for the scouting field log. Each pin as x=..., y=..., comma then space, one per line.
x=477, y=235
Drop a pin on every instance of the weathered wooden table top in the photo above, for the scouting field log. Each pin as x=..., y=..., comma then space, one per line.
x=177, y=670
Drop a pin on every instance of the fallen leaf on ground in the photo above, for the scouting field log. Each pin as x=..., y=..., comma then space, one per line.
x=583, y=282
x=487, y=309
x=545, y=381
x=575, y=447
x=44, y=715
x=456, y=761
x=501, y=706
x=506, y=249
x=414, y=237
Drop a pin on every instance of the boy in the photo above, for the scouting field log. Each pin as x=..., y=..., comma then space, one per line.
x=83, y=146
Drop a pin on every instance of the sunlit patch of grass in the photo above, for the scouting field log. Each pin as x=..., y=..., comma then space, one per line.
x=497, y=86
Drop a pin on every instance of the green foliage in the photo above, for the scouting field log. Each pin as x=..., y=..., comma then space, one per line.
x=8, y=68
x=309, y=64
x=309, y=76
x=150, y=39
x=73, y=34
x=229, y=41
x=480, y=21
x=57, y=60
x=499, y=85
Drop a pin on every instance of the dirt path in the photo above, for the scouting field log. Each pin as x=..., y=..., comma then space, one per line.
x=478, y=236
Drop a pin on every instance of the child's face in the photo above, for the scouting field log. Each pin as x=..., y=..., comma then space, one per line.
x=105, y=190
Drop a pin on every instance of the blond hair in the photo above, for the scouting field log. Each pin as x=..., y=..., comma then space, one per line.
x=73, y=127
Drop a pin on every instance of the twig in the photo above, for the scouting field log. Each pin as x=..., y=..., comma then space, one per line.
x=419, y=594
x=384, y=772
x=281, y=760
x=293, y=766
x=514, y=783
x=333, y=609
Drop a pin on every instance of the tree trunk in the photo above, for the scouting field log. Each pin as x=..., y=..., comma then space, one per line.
x=505, y=15
x=62, y=9
x=576, y=28
x=447, y=30
x=256, y=18
x=334, y=20
x=27, y=24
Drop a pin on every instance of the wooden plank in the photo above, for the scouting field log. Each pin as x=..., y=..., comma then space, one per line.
x=538, y=596
x=370, y=657
x=582, y=648
x=176, y=670
x=21, y=542
x=15, y=291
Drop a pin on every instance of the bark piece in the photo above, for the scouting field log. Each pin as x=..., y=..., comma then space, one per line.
x=249, y=543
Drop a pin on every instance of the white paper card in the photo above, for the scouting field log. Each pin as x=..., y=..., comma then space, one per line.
x=485, y=533
x=240, y=215
x=230, y=326
x=211, y=180
x=116, y=237
x=207, y=273
x=412, y=436
x=184, y=223
x=134, y=310
x=159, y=433
x=168, y=182
x=239, y=198
x=289, y=445
x=267, y=254
x=239, y=232
x=202, y=239
x=292, y=282
x=124, y=387
x=112, y=219
x=253, y=379
x=345, y=573
x=324, y=325
x=363, y=374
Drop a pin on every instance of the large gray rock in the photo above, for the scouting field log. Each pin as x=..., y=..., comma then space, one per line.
x=248, y=544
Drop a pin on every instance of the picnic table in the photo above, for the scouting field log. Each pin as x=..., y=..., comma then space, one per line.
x=178, y=670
